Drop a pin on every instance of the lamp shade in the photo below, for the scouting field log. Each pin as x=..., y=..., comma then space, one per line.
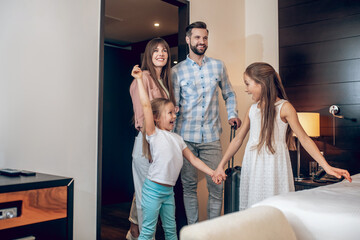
x=310, y=122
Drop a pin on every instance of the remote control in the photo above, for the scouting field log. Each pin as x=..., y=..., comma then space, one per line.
x=27, y=173
x=10, y=172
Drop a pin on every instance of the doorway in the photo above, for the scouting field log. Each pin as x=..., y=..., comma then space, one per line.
x=124, y=37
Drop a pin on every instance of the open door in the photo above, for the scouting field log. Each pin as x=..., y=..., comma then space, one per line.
x=116, y=132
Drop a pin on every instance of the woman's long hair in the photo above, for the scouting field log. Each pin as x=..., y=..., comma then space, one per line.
x=271, y=88
x=165, y=75
x=157, y=106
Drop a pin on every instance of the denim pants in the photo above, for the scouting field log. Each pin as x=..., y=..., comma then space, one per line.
x=210, y=154
x=158, y=199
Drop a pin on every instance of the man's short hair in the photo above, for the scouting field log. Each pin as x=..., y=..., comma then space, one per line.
x=197, y=24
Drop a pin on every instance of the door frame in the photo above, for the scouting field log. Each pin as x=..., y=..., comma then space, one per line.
x=184, y=15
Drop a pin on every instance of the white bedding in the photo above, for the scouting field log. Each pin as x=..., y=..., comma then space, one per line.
x=328, y=212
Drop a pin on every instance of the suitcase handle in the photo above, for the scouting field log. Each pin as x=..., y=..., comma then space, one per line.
x=232, y=135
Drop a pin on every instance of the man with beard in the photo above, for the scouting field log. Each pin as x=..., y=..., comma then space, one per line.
x=195, y=82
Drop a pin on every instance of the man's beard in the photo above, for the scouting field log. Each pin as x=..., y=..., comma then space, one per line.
x=196, y=51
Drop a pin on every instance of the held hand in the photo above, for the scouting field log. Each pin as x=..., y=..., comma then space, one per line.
x=217, y=181
x=338, y=172
x=213, y=178
x=219, y=175
x=136, y=72
x=233, y=121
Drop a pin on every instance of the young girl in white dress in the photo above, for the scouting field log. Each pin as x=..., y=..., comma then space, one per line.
x=167, y=150
x=266, y=168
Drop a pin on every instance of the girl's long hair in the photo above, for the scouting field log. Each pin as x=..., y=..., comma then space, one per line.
x=157, y=106
x=271, y=88
x=165, y=75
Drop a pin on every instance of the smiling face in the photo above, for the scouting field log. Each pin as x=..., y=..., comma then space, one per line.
x=198, y=41
x=167, y=117
x=160, y=56
x=252, y=88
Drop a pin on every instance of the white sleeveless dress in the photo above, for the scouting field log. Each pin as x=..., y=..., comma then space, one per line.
x=264, y=174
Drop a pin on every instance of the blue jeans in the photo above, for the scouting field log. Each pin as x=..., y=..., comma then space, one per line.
x=210, y=154
x=157, y=199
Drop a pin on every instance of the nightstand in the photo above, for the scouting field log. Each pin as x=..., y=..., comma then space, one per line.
x=36, y=207
x=308, y=184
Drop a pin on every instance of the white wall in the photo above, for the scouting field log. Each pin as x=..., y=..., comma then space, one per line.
x=241, y=32
x=49, y=83
x=49, y=67
x=262, y=43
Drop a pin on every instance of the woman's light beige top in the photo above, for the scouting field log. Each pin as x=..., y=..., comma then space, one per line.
x=153, y=92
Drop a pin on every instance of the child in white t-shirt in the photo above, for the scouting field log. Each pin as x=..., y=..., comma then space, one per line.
x=167, y=150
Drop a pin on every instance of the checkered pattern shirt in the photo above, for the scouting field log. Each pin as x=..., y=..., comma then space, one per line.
x=196, y=94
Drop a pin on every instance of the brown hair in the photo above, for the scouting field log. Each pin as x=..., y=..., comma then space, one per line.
x=197, y=24
x=271, y=88
x=157, y=106
x=165, y=75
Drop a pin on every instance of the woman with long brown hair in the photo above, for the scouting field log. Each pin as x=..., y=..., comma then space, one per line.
x=156, y=67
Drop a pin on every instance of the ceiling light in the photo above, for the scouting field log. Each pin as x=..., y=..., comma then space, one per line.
x=156, y=24
x=175, y=62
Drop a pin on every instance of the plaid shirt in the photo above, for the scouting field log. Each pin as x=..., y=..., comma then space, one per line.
x=196, y=94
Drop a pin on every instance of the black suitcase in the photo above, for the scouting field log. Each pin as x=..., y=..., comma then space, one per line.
x=232, y=184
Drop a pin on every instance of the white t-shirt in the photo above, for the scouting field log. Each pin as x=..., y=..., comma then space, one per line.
x=166, y=152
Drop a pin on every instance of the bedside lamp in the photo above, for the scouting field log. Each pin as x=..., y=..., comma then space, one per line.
x=311, y=124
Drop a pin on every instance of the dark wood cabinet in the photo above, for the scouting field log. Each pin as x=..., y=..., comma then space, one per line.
x=308, y=184
x=43, y=207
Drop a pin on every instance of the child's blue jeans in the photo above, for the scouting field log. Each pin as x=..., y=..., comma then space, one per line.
x=157, y=199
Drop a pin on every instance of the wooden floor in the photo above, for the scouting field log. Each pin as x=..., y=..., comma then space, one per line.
x=115, y=223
